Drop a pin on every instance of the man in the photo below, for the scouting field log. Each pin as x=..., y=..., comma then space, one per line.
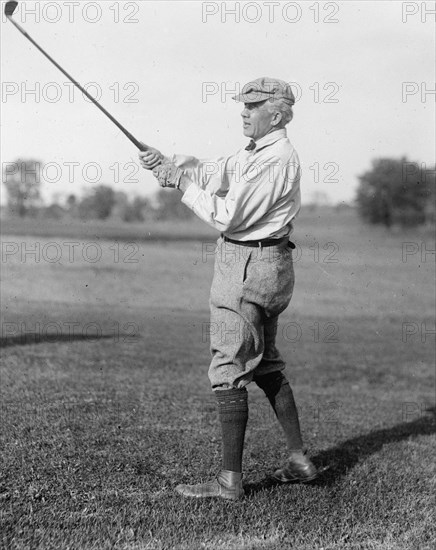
x=252, y=198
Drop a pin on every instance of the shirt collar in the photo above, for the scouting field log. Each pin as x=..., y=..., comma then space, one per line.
x=270, y=138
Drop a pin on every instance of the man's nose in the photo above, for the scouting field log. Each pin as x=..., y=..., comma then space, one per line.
x=245, y=113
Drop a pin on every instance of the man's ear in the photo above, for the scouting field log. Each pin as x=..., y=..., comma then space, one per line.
x=277, y=118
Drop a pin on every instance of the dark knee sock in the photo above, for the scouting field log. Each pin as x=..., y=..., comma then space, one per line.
x=279, y=393
x=233, y=414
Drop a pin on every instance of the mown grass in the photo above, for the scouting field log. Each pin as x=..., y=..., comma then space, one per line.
x=101, y=422
x=108, y=230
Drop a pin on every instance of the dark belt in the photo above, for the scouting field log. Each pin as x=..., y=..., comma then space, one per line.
x=261, y=243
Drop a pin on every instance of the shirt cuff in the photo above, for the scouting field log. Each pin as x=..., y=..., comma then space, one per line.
x=191, y=195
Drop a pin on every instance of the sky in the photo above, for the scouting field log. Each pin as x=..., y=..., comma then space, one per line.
x=362, y=72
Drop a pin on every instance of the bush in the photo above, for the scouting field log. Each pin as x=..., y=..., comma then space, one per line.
x=395, y=191
x=98, y=204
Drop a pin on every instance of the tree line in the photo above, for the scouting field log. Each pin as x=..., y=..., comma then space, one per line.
x=392, y=192
x=23, y=189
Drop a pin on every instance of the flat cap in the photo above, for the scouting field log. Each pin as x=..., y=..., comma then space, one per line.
x=265, y=88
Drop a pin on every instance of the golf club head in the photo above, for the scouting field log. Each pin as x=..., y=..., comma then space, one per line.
x=10, y=8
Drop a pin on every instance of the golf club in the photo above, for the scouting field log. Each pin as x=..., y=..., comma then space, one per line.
x=9, y=10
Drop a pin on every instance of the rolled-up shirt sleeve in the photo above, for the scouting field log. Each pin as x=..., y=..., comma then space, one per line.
x=255, y=189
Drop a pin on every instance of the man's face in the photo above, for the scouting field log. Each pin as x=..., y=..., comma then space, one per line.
x=256, y=120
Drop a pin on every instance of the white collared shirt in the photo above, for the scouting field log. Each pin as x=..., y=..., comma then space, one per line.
x=248, y=196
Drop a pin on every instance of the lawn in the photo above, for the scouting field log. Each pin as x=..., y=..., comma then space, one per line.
x=106, y=404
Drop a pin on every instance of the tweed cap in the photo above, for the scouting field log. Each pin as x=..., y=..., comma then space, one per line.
x=265, y=88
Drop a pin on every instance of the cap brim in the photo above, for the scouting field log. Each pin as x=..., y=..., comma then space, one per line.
x=252, y=97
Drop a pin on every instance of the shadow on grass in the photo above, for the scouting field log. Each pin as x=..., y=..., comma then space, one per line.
x=335, y=462
x=38, y=338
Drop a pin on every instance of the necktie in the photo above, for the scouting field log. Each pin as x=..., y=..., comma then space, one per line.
x=251, y=145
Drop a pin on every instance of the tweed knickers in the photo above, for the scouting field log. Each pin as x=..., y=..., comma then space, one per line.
x=250, y=288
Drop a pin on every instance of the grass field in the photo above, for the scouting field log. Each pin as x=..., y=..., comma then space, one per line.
x=106, y=404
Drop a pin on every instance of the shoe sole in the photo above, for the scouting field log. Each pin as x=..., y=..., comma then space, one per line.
x=227, y=496
x=284, y=479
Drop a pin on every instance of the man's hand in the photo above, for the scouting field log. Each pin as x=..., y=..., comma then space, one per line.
x=151, y=158
x=168, y=175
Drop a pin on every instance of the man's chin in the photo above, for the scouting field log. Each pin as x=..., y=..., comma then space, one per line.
x=247, y=132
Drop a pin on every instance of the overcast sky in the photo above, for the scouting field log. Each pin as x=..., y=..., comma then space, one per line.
x=362, y=72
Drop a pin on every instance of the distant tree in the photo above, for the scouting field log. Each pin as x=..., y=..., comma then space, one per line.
x=71, y=201
x=121, y=205
x=98, y=204
x=129, y=211
x=22, y=180
x=72, y=206
x=170, y=207
x=139, y=209
x=394, y=191
x=430, y=208
x=54, y=211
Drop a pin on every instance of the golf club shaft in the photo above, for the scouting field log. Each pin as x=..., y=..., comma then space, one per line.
x=138, y=144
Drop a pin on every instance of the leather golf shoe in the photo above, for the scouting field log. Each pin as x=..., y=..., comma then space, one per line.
x=226, y=485
x=297, y=468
